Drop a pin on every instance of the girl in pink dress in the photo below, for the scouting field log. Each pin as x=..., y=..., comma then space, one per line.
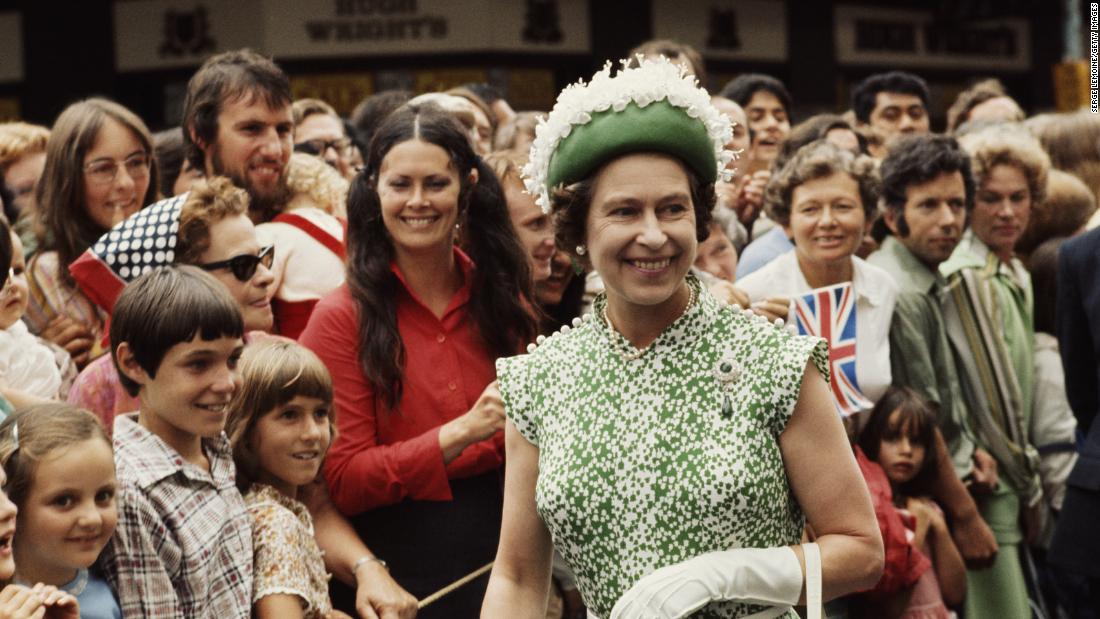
x=899, y=437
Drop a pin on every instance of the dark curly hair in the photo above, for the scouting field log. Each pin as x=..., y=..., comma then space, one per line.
x=743, y=87
x=917, y=159
x=865, y=92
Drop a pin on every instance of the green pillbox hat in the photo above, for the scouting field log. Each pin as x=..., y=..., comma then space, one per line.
x=658, y=127
x=653, y=107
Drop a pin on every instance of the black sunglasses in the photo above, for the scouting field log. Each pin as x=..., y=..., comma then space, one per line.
x=244, y=265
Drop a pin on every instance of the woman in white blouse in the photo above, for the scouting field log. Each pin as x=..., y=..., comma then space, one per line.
x=826, y=198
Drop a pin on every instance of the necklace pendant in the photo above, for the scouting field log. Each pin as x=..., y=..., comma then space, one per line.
x=727, y=407
x=727, y=372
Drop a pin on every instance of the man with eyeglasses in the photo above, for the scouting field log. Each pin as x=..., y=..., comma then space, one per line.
x=319, y=131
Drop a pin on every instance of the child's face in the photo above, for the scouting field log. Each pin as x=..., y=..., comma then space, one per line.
x=901, y=457
x=69, y=514
x=189, y=397
x=290, y=443
x=13, y=302
x=7, y=532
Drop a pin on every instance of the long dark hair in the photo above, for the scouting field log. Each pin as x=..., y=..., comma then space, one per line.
x=501, y=278
x=916, y=420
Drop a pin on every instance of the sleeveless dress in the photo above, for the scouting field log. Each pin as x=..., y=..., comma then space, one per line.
x=647, y=462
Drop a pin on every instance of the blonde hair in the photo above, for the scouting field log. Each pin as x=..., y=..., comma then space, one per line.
x=42, y=429
x=18, y=139
x=210, y=201
x=1068, y=205
x=985, y=90
x=1004, y=145
x=1070, y=139
x=523, y=125
x=310, y=177
x=506, y=164
x=304, y=108
x=273, y=373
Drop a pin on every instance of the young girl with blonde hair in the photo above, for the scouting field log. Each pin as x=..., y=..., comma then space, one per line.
x=60, y=474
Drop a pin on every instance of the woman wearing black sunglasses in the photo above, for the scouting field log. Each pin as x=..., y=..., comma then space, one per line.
x=208, y=228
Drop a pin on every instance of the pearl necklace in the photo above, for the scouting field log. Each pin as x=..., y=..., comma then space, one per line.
x=627, y=351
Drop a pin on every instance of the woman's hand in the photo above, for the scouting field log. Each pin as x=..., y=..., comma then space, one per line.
x=72, y=336
x=379, y=596
x=729, y=294
x=19, y=602
x=485, y=419
x=773, y=308
x=760, y=575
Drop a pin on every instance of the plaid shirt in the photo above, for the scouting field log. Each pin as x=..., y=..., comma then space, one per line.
x=183, y=545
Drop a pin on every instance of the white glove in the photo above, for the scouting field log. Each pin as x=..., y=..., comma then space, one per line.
x=770, y=576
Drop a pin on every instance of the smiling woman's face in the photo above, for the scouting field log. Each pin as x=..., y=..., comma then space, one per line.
x=640, y=231
x=232, y=236
x=108, y=202
x=419, y=190
x=827, y=219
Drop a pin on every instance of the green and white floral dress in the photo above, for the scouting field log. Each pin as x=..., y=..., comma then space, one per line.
x=647, y=462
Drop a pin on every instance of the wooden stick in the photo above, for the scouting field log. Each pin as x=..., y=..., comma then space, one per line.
x=454, y=585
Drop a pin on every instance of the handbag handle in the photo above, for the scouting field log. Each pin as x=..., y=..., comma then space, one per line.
x=812, y=554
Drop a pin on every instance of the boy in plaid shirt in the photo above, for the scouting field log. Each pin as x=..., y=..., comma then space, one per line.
x=183, y=546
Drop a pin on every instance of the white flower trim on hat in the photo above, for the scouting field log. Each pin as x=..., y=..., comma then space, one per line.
x=653, y=80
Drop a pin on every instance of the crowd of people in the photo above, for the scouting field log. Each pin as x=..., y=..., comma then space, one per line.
x=655, y=352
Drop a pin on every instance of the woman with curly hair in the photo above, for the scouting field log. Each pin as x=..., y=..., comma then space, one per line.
x=825, y=198
x=990, y=323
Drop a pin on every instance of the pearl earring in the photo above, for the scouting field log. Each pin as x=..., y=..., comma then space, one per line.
x=581, y=250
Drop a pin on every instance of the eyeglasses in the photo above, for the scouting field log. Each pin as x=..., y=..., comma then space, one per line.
x=318, y=146
x=244, y=266
x=104, y=171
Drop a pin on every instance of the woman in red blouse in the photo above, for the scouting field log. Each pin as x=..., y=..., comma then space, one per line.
x=410, y=340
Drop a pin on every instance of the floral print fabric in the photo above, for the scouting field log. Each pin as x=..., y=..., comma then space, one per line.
x=287, y=559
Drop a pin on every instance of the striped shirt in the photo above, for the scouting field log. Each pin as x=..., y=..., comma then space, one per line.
x=183, y=544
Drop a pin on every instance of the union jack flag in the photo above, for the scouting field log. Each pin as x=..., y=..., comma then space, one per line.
x=830, y=313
